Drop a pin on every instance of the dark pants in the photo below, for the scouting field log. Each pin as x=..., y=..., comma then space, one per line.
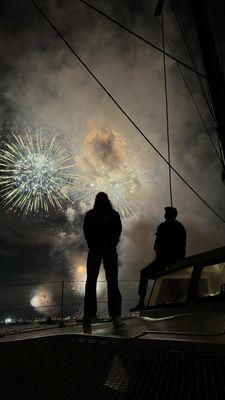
x=148, y=273
x=110, y=262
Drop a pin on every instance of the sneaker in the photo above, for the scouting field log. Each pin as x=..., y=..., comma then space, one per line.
x=117, y=323
x=87, y=326
x=138, y=307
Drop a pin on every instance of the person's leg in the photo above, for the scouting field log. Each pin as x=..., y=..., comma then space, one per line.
x=90, y=302
x=110, y=261
x=145, y=275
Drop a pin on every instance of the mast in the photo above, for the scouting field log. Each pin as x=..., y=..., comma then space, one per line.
x=212, y=69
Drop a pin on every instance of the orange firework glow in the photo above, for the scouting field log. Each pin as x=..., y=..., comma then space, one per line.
x=105, y=147
x=81, y=269
x=78, y=275
x=109, y=167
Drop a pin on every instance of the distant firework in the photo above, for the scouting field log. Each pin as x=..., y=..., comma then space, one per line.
x=35, y=174
x=125, y=186
x=78, y=275
x=42, y=300
x=78, y=279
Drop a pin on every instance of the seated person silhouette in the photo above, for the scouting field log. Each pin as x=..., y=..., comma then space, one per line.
x=102, y=229
x=170, y=246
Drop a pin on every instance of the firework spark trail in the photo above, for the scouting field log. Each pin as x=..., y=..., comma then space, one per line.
x=36, y=174
x=124, y=186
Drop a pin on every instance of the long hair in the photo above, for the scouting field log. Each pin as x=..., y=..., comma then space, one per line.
x=102, y=204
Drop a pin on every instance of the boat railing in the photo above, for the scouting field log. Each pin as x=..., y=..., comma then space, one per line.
x=55, y=302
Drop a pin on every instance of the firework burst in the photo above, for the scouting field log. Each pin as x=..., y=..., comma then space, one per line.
x=35, y=174
x=42, y=300
x=125, y=186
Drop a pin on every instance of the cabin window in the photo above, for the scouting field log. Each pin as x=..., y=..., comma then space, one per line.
x=211, y=280
x=171, y=288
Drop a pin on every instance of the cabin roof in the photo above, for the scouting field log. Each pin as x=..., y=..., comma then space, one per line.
x=202, y=259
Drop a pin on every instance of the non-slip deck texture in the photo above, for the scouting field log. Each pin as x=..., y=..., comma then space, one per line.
x=66, y=368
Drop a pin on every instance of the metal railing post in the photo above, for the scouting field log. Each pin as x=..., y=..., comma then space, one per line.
x=61, y=324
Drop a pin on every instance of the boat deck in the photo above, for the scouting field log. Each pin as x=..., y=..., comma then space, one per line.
x=171, y=330
x=137, y=361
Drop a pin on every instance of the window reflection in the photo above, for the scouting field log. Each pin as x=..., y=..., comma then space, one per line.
x=211, y=280
x=172, y=288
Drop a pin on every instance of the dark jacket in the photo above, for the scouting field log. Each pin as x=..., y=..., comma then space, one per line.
x=170, y=243
x=102, y=230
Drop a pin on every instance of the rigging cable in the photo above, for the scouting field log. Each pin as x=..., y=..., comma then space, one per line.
x=207, y=99
x=178, y=62
x=172, y=57
x=218, y=152
x=191, y=54
x=124, y=112
x=167, y=113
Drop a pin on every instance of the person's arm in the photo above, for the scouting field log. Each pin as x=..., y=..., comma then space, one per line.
x=87, y=229
x=117, y=229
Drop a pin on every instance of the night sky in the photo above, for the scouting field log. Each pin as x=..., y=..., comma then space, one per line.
x=43, y=87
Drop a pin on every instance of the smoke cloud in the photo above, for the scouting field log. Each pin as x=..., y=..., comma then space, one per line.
x=45, y=88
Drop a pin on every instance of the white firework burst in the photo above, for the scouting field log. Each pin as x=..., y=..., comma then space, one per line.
x=36, y=174
x=125, y=186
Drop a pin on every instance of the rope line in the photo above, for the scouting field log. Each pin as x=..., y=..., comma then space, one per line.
x=218, y=152
x=167, y=114
x=125, y=113
x=172, y=57
x=13, y=284
x=57, y=305
x=221, y=152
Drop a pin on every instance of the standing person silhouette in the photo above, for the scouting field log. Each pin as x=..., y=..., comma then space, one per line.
x=170, y=246
x=102, y=229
